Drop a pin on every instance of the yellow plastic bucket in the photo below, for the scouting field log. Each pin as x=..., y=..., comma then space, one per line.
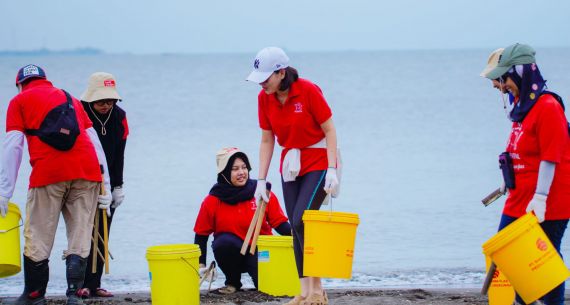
x=501, y=292
x=329, y=243
x=10, y=259
x=276, y=269
x=173, y=273
x=527, y=257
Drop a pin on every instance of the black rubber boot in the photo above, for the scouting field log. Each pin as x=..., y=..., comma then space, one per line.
x=36, y=276
x=75, y=272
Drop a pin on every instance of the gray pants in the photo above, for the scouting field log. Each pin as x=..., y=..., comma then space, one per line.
x=77, y=201
x=305, y=193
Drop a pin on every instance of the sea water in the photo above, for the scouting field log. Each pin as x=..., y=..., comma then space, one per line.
x=419, y=131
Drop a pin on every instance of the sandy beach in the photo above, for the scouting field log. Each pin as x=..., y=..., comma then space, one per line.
x=336, y=296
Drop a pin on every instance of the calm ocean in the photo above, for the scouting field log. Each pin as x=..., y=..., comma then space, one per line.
x=419, y=131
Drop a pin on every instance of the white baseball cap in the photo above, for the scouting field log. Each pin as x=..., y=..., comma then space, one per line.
x=267, y=61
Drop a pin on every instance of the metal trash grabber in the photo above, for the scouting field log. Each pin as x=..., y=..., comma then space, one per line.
x=488, y=278
x=496, y=194
x=105, y=228
x=209, y=274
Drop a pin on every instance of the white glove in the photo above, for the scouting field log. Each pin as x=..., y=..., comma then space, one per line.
x=331, y=180
x=503, y=188
x=209, y=277
x=538, y=205
x=4, y=205
x=261, y=191
x=118, y=196
x=105, y=202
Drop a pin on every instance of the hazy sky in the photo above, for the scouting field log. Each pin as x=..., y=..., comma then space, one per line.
x=164, y=26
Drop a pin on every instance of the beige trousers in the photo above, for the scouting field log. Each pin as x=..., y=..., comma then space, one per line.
x=77, y=201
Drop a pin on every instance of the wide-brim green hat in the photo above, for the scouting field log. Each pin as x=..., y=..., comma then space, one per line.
x=516, y=54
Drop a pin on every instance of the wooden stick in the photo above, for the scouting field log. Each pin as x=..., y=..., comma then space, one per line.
x=106, y=241
x=488, y=278
x=95, y=243
x=105, y=229
x=103, y=241
x=100, y=254
x=250, y=229
x=260, y=220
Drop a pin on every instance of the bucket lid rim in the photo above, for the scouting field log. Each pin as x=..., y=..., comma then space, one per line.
x=509, y=233
x=12, y=207
x=173, y=248
x=275, y=240
x=343, y=217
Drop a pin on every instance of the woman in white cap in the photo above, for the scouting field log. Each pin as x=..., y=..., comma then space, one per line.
x=294, y=111
x=227, y=212
x=536, y=164
x=110, y=121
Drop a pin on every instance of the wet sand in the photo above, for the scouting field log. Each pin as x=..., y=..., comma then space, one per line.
x=336, y=296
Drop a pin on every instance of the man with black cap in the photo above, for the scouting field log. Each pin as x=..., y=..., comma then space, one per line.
x=66, y=158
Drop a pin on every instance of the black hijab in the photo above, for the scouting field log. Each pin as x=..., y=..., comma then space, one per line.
x=226, y=191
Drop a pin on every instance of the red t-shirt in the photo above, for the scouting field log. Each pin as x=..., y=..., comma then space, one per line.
x=216, y=217
x=49, y=165
x=297, y=122
x=542, y=135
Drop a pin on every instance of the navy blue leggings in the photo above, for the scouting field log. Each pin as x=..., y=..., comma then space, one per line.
x=226, y=248
x=305, y=193
x=554, y=229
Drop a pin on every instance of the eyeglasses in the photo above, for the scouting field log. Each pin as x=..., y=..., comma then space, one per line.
x=105, y=102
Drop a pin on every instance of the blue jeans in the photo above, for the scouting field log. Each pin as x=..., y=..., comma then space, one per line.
x=554, y=229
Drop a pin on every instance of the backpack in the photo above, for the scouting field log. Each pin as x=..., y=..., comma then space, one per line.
x=59, y=129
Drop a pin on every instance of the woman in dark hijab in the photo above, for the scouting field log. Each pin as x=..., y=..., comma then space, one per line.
x=538, y=178
x=227, y=212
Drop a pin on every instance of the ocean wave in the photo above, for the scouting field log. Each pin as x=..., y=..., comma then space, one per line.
x=458, y=278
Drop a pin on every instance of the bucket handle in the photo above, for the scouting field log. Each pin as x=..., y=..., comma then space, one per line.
x=21, y=224
x=187, y=262
x=330, y=206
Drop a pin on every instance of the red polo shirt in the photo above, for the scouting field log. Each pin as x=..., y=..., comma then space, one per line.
x=542, y=135
x=49, y=165
x=297, y=122
x=217, y=217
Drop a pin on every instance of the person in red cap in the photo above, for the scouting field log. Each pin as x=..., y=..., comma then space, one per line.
x=536, y=163
x=227, y=212
x=294, y=111
x=66, y=158
x=110, y=121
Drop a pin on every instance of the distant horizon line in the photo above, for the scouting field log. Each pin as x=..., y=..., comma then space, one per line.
x=96, y=51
